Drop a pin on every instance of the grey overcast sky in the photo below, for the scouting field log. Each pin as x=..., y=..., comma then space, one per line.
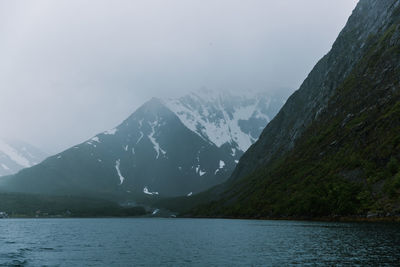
x=72, y=68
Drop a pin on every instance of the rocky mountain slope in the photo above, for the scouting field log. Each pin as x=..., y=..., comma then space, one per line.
x=334, y=147
x=174, y=147
x=226, y=118
x=16, y=155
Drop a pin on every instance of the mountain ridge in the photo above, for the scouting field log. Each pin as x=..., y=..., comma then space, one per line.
x=16, y=155
x=152, y=153
x=315, y=90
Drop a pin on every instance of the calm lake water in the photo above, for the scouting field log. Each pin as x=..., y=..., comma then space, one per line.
x=200, y=242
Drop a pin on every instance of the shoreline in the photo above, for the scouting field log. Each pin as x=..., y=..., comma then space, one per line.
x=345, y=219
x=393, y=219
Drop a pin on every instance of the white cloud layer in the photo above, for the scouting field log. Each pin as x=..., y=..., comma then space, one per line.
x=72, y=68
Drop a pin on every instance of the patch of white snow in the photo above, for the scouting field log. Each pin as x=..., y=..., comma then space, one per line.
x=111, y=132
x=208, y=116
x=140, y=138
x=13, y=154
x=117, y=164
x=147, y=192
x=156, y=145
x=221, y=164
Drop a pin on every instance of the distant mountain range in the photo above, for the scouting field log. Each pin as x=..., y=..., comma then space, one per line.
x=16, y=155
x=172, y=147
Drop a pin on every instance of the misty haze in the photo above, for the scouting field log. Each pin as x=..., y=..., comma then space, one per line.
x=196, y=133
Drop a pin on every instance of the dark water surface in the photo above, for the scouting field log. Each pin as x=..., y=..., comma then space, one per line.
x=200, y=242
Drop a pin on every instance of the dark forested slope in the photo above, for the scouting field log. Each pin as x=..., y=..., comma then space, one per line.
x=334, y=148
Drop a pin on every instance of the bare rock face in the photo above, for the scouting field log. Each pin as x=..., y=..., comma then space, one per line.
x=371, y=17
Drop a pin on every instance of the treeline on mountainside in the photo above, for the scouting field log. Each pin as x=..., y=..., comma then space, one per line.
x=34, y=205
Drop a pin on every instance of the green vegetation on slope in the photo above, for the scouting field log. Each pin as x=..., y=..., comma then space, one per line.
x=346, y=162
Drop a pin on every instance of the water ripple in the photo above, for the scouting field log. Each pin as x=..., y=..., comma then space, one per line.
x=171, y=242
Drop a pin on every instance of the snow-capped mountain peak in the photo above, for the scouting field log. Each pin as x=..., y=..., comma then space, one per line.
x=16, y=155
x=224, y=117
x=169, y=148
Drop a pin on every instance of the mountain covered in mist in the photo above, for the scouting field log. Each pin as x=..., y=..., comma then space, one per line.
x=16, y=155
x=172, y=147
x=334, y=147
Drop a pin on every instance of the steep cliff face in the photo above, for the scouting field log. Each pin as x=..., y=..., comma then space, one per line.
x=370, y=18
x=334, y=148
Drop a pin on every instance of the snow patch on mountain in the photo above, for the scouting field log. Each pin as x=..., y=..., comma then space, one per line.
x=16, y=155
x=140, y=137
x=221, y=164
x=218, y=117
x=117, y=165
x=147, y=191
x=156, y=145
x=111, y=132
